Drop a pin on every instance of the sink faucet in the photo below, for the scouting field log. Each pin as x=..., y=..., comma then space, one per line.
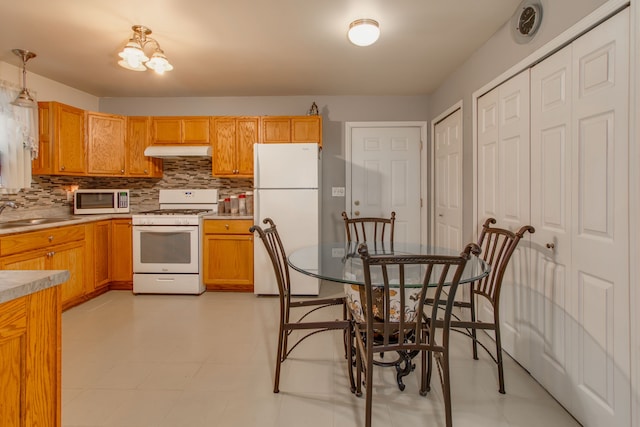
x=8, y=204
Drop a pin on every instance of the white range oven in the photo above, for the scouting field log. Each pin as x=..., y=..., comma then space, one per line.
x=167, y=243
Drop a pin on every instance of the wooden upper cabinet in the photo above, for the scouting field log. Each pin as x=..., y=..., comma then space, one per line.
x=61, y=145
x=43, y=165
x=291, y=129
x=138, y=138
x=180, y=130
x=105, y=144
x=232, y=143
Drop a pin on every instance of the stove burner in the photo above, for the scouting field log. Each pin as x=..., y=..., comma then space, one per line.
x=175, y=211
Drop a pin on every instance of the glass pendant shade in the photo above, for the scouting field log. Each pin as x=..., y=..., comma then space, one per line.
x=363, y=32
x=132, y=56
x=24, y=99
x=159, y=62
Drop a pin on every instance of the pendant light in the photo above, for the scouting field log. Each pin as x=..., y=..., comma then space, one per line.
x=134, y=57
x=24, y=98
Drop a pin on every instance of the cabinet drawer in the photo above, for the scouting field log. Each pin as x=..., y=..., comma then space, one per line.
x=223, y=226
x=40, y=239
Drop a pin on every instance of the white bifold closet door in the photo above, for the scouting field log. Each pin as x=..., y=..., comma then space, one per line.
x=579, y=204
x=503, y=193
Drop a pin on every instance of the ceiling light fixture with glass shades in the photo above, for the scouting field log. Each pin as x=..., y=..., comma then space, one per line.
x=363, y=32
x=134, y=57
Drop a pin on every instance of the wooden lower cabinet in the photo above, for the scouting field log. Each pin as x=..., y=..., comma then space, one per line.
x=101, y=254
x=30, y=360
x=60, y=248
x=121, y=255
x=228, y=255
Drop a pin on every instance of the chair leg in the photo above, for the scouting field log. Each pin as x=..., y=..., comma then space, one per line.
x=349, y=356
x=499, y=355
x=429, y=372
x=446, y=389
x=474, y=336
x=369, y=388
x=358, y=371
x=281, y=351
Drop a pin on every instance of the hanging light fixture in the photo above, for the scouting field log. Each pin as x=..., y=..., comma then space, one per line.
x=363, y=32
x=134, y=57
x=24, y=98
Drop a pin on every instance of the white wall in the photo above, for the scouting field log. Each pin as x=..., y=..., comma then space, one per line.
x=45, y=89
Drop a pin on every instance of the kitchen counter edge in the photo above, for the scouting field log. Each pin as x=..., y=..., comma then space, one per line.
x=19, y=283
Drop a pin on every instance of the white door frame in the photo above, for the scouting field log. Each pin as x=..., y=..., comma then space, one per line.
x=349, y=126
x=432, y=199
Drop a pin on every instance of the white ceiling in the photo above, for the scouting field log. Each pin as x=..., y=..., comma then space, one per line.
x=251, y=47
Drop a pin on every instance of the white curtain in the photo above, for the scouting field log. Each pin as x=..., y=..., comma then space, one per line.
x=18, y=141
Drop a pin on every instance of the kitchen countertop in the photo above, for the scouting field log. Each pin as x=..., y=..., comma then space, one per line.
x=227, y=216
x=65, y=221
x=18, y=283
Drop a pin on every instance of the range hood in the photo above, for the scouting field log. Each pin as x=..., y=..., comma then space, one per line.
x=168, y=151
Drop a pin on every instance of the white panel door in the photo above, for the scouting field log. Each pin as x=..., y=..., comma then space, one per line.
x=385, y=177
x=448, y=181
x=550, y=292
x=600, y=224
x=503, y=193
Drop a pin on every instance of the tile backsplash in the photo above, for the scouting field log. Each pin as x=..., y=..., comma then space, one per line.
x=50, y=192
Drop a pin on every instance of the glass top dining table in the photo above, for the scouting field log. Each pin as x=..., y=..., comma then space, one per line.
x=340, y=262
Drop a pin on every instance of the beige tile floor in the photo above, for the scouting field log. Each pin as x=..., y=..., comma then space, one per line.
x=166, y=360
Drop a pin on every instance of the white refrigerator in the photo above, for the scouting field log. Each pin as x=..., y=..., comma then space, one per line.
x=287, y=189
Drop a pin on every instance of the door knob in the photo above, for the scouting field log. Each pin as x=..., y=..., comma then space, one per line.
x=357, y=203
x=357, y=213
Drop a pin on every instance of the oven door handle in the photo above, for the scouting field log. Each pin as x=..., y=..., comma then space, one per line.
x=165, y=228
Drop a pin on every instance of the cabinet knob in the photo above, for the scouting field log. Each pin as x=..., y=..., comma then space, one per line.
x=51, y=238
x=550, y=246
x=61, y=168
x=121, y=170
x=226, y=226
x=146, y=171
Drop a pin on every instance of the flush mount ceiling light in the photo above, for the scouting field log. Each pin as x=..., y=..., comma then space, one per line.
x=134, y=58
x=24, y=98
x=363, y=32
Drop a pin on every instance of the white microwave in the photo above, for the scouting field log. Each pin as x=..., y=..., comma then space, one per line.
x=100, y=201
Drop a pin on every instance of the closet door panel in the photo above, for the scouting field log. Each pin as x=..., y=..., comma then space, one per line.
x=551, y=318
x=600, y=219
x=503, y=193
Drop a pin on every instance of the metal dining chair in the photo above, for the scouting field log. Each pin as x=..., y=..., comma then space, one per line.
x=402, y=324
x=497, y=245
x=369, y=229
x=302, y=308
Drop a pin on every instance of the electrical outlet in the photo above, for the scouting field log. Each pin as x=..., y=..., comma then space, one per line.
x=337, y=191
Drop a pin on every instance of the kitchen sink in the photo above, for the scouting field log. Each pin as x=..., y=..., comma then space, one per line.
x=31, y=221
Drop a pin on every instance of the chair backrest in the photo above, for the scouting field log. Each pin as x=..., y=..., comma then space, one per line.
x=393, y=275
x=369, y=229
x=277, y=254
x=497, y=245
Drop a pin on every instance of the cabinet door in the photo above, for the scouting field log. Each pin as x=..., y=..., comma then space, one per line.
x=276, y=129
x=166, y=130
x=101, y=254
x=70, y=257
x=306, y=129
x=139, y=138
x=195, y=130
x=43, y=165
x=228, y=262
x=68, y=134
x=246, y=136
x=105, y=144
x=121, y=251
x=224, y=150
